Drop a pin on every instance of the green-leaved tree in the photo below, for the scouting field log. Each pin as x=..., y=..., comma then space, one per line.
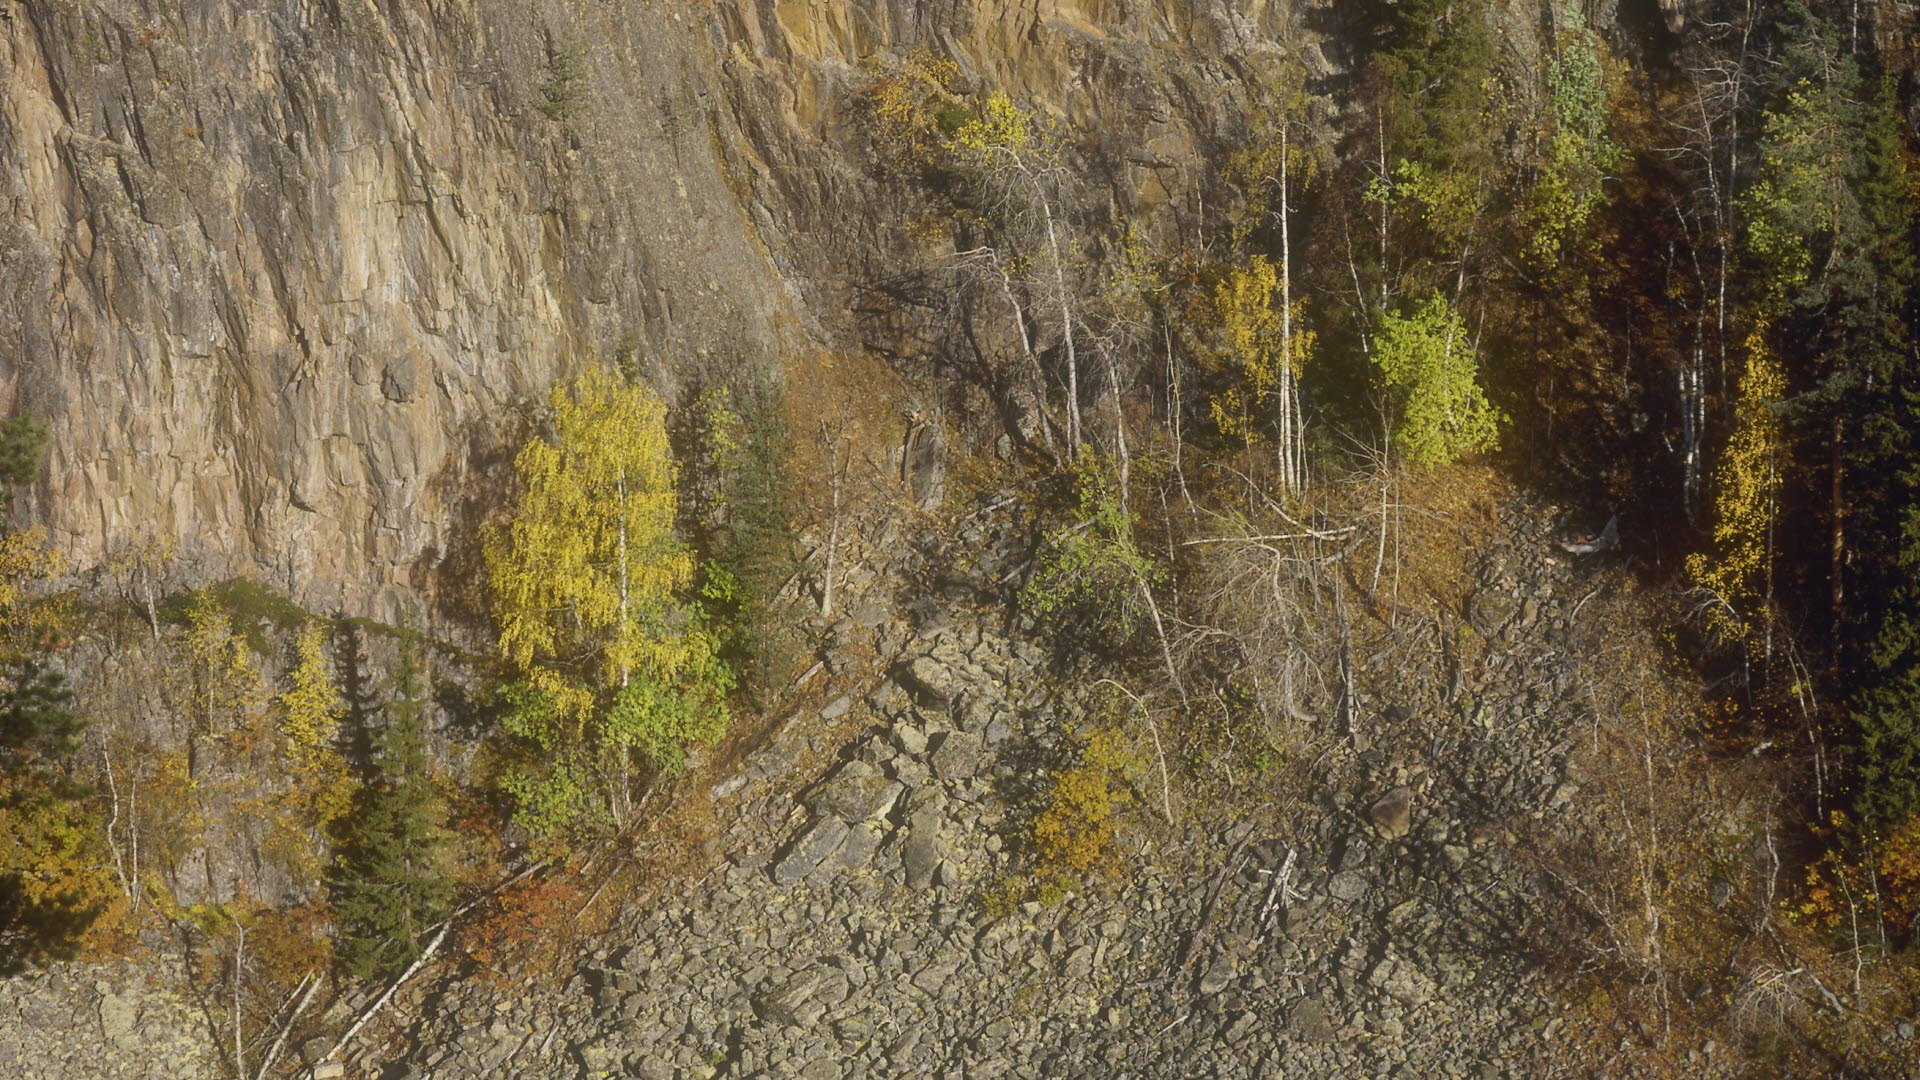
x=1426, y=364
x=612, y=663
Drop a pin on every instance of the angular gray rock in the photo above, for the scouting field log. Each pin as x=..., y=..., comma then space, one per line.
x=856, y=792
x=920, y=854
x=1392, y=813
x=820, y=840
x=930, y=681
x=957, y=757
x=801, y=1001
x=1308, y=1021
x=1348, y=885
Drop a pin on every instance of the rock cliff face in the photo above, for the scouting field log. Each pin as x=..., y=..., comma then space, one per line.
x=279, y=275
x=282, y=277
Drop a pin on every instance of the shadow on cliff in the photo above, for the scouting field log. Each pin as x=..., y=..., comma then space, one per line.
x=477, y=492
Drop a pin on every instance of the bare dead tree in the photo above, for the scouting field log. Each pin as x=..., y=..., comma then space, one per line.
x=837, y=473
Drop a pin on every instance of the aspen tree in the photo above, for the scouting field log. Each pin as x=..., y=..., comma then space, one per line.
x=318, y=787
x=1746, y=504
x=1283, y=156
x=1017, y=163
x=1425, y=361
x=1262, y=344
x=587, y=582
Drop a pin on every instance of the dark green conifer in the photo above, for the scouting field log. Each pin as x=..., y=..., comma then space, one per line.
x=390, y=886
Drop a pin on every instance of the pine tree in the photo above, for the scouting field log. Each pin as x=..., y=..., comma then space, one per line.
x=1437, y=136
x=389, y=886
x=23, y=441
x=52, y=885
x=741, y=523
x=1885, y=510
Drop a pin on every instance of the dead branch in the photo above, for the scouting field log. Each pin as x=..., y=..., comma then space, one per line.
x=439, y=938
x=1227, y=870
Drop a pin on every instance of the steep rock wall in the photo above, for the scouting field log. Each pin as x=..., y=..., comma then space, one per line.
x=280, y=275
x=284, y=277
x=1143, y=87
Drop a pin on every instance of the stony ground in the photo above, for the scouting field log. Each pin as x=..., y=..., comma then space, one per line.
x=1374, y=924
x=105, y=1021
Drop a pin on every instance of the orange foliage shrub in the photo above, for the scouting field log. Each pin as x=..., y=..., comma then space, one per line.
x=1899, y=873
x=521, y=922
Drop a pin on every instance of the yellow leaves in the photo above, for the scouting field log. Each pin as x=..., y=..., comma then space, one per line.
x=27, y=618
x=587, y=584
x=224, y=692
x=1000, y=140
x=50, y=862
x=1074, y=835
x=1899, y=874
x=312, y=710
x=1001, y=127
x=1748, y=485
x=1247, y=312
x=906, y=103
x=592, y=539
x=320, y=790
x=1243, y=301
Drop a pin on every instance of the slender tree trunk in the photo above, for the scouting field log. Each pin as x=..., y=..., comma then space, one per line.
x=1174, y=420
x=626, y=628
x=113, y=824
x=133, y=840
x=625, y=765
x=1838, y=511
x=1119, y=431
x=153, y=611
x=312, y=983
x=239, y=957
x=1035, y=376
x=1291, y=475
x=1381, y=119
x=833, y=532
x=1066, y=333
x=1729, y=221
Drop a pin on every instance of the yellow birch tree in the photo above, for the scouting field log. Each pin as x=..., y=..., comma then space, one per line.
x=588, y=586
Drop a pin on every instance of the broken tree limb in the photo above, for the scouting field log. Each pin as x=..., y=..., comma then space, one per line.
x=312, y=983
x=1227, y=870
x=1279, y=891
x=439, y=938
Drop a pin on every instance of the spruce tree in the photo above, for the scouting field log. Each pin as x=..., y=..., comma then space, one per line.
x=51, y=884
x=389, y=886
x=1884, y=608
x=1435, y=67
x=23, y=442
